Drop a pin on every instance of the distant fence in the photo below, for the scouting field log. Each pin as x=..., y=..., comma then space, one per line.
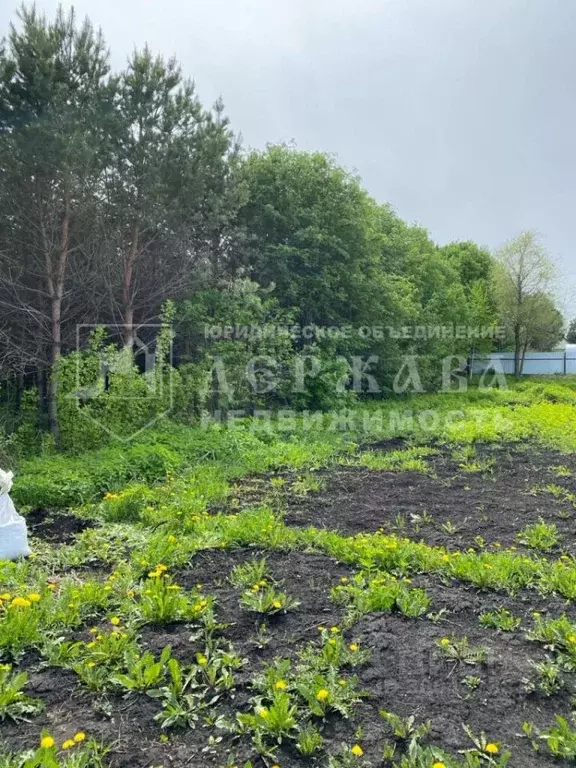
x=535, y=363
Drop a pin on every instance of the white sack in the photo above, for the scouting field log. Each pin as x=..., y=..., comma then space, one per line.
x=13, y=531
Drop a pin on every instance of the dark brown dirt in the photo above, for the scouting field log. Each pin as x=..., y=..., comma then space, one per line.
x=129, y=724
x=56, y=527
x=407, y=673
x=495, y=505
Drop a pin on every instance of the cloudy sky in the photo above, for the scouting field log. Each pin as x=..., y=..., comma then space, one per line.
x=460, y=113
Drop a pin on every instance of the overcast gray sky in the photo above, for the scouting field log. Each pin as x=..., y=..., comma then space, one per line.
x=460, y=113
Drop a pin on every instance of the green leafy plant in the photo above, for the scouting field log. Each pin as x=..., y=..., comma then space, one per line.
x=406, y=728
x=181, y=702
x=560, y=739
x=267, y=600
x=309, y=740
x=14, y=703
x=541, y=535
x=323, y=693
x=162, y=601
x=460, y=650
x=548, y=680
x=80, y=753
x=143, y=672
x=272, y=723
x=253, y=572
x=484, y=750
x=501, y=618
x=472, y=682
x=366, y=594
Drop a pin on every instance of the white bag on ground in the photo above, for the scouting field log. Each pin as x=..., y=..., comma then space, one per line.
x=13, y=531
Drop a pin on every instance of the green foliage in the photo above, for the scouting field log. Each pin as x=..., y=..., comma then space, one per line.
x=253, y=572
x=548, y=678
x=541, y=535
x=406, y=728
x=143, y=672
x=267, y=600
x=556, y=634
x=127, y=505
x=460, y=650
x=14, y=703
x=560, y=739
x=571, y=333
x=162, y=601
x=500, y=619
x=88, y=754
x=407, y=460
x=366, y=594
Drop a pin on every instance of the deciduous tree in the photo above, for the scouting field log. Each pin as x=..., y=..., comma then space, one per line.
x=523, y=277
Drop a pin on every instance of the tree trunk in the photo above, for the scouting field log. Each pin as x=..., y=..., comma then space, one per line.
x=55, y=276
x=523, y=357
x=517, y=350
x=128, y=297
x=56, y=309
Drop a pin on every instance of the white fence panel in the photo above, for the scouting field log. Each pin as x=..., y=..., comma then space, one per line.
x=535, y=363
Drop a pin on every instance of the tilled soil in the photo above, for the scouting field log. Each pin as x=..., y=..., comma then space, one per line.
x=407, y=673
x=447, y=507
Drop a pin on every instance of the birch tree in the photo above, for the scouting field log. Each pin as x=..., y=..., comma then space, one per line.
x=524, y=275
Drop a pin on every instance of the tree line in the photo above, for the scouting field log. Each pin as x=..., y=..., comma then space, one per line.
x=120, y=191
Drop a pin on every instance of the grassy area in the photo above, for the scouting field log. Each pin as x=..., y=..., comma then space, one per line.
x=242, y=596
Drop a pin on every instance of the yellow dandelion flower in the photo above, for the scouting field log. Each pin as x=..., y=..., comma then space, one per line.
x=47, y=742
x=20, y=602
x=492, y=748
x=357, y=750
x=80, y=736
x=201, y=659
x=276, y=604
x=68, y=744
x=281, y=685
x=354, y=647
x=445, y=641
x=322, y=694
x=115, y=621
x=34, y=597
x=334, y=630
x=438, y=765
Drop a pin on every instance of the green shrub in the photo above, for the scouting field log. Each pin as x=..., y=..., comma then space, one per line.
x=126, y=506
